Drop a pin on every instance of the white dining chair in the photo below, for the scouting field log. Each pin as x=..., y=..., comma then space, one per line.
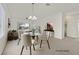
x=37, y=32
x=19, y=35
x=21, y=31
x=27, y=41
x=44, y=37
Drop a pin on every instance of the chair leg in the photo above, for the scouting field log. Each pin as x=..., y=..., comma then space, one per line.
x=19, y=41
x=40, y=43
x=33, y=47
x=26, y=47
x=37, y=38
x=30, y=50
x=48, y=44
x=22, y=50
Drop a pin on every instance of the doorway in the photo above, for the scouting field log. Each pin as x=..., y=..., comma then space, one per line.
x=71, y=26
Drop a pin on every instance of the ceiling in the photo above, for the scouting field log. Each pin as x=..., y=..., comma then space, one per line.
x=41, y=8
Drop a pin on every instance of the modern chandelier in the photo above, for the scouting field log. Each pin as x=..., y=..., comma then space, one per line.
x=32, y=17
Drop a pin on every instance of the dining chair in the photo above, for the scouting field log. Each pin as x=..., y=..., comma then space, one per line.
x=20, y=31
x=37, y=32
x=19, y=35
x=27, y=41
x=44, y=37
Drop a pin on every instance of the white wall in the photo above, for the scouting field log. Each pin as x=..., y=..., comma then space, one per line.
x=78, y=27
x=72, y=26
x=59, y=26
x=3, y=34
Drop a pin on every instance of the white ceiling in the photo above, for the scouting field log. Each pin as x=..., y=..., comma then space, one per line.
x=41, y=8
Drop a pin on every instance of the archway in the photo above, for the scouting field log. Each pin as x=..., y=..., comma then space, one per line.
x=2, y=18
x=3, y=29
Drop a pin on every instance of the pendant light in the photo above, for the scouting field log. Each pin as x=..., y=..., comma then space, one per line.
x=32, y=17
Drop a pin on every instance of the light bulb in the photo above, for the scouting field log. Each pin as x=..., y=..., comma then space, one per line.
x=34, y=18
x=30, y=17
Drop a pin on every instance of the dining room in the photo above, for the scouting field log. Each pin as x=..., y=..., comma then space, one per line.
x=38, y=29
